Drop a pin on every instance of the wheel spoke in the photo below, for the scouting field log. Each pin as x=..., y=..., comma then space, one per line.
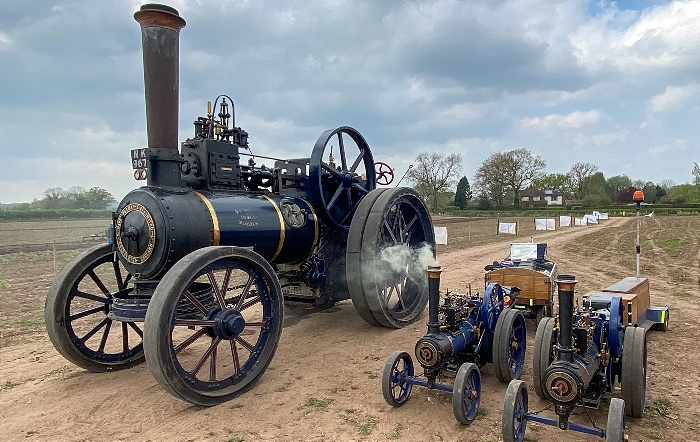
x=225, y=282
x=95, y=298
x=249, y=303
x=99, y=283
x=359, y=188
x=103, y=341
x=215, y=287
x=136, y=329
x=205, y=356
x=125, y=337
x=333, y=200
x=234, y=354
x=341, y=148
x=195, y=301
x=338, y=176
x=244, y=343
x=184, y=344
x=118, y=274
x=390, y=231
x=411, y=278
x=85, y=313
x=256, y=324
x=407, y=228
x=357, y=161
x=212, y=366
x=244, y=293
x=195, y=322
x=97, y=328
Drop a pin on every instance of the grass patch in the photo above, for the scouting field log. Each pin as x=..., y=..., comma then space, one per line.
x=396, y=434
x=235, y=406
x=8, y=385
x=654, y=435
x=369, y=424
x=674, y=244
x=31, y=322
x=371, y=375
x=659, y=407
x=315, y=404
x=365, y=424
x=481, y=412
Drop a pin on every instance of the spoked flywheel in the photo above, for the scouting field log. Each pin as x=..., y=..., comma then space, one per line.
x=76, y=311
x=341, y=173
x=390, y=244
x=213, y=324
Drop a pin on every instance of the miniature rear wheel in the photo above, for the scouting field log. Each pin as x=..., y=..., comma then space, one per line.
x=213, y=324
x=389, y=248
x=395, y=385
x=662, y=326
x=543, y=355
x=514, y=419
x=509, y=345
x=492, y=306
x=466, y=394
x=615, y=430
x=634, y=371
x=76, y=313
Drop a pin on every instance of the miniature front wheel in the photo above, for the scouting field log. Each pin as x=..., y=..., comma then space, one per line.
x=466, y=394
x=634, y=371
x=213, y=324
x=615, y=431
x=492, y=306
x=509, y=345
x=396, y=387
x=514, y=419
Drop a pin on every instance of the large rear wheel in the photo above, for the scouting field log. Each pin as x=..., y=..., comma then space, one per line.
x=634, y=371
x=543, y=355
x=213, y=324
x=390, y=246
x=509, y=345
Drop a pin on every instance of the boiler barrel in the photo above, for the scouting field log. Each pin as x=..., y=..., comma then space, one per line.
x=154, y=228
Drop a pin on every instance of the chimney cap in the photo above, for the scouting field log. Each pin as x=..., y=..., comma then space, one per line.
x=154, y=14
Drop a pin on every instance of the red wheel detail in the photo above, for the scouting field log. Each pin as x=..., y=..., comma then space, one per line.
x=384, y=172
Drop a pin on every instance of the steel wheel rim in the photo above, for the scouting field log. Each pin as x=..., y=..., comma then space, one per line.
x=472, y=384
x=233, y=349
x=401, y=291
x=101, y=308
x=516, y=357
x=492, y=306
x=399, y=378
x=519, y=412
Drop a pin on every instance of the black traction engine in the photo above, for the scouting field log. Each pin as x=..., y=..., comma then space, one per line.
x=203, y=255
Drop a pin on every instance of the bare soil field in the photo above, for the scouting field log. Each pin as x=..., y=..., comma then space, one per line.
x=325, y=380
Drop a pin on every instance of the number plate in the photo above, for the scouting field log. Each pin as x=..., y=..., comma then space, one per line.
x=139, y=158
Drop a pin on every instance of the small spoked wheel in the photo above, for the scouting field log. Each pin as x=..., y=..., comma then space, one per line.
x=340, y=178
x=509, y=345
x=76, y=313
x=384, y=172
x=543, y=355
x=634, y=371
x=213, y=324
x=514, y=419
x=466, y=394
x=395, y=385
x=615, y=430
x=492, y=306
x=616, y=328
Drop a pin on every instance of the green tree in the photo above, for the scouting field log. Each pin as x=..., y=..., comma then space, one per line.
x=506, y=174
x=97, y=198
x=684, y=194
x=649, y=190
x=489, y=181
x=594, y=185
x=555, y=181
x=615, y=184
x=53, y=197
x=696, y=175
x=463, y=194
x=434, y=173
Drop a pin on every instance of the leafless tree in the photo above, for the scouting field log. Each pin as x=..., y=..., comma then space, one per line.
x=506, y=174
x=434, y=173
x=580, y=174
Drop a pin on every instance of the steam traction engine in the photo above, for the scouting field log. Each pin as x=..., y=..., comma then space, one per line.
x=203, y=255
x=464, y=333
x=578, y=356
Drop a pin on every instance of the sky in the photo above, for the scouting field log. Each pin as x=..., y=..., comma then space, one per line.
x=616, y=84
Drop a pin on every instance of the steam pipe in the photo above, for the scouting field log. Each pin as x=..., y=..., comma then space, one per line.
x=433, y=299
x=565, y=287
x=160, y=39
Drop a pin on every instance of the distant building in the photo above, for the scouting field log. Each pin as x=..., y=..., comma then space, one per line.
x=532, y=197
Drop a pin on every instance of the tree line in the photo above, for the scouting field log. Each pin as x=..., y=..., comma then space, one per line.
x=502, y=176
x=75, y=197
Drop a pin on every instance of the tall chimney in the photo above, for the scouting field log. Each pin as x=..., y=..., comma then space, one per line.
x=160, y=37
x=433, y=299
x=565, y=285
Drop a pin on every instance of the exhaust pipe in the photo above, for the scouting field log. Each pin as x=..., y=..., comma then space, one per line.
x=565, y=287
x=160, y=38
x=433, y=299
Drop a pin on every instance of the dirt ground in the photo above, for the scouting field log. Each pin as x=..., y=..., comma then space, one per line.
x=325, y=380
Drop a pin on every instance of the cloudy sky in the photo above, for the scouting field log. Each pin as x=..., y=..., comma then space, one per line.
x=616, y=84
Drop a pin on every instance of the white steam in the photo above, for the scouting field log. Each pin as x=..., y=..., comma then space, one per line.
x=395, y=263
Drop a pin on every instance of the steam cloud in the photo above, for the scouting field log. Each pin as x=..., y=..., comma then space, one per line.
x=397, y=260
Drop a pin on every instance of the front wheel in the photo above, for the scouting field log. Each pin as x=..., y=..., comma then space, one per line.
x=395, y=385
x=76, y=310
x=466, y=394
x=514, y=419
x=615, y=431
x=213, y=325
